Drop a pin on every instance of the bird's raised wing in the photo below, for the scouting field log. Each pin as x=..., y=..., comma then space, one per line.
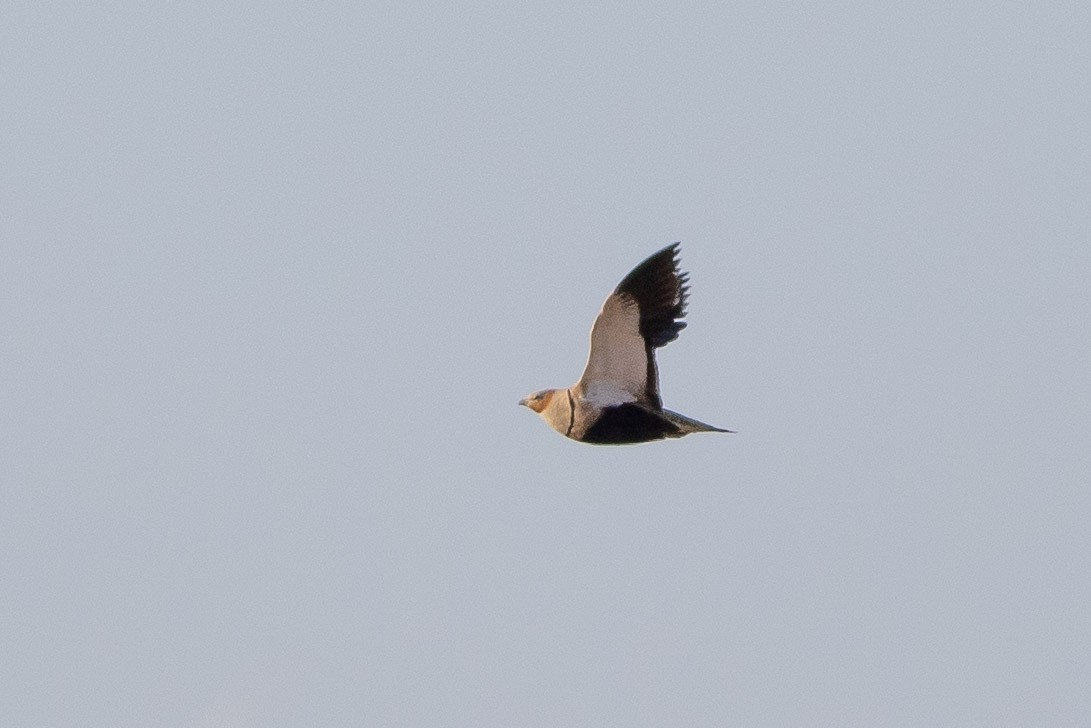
x=642, y=314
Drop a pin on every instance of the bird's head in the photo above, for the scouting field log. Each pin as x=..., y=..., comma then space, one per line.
x=539, y=400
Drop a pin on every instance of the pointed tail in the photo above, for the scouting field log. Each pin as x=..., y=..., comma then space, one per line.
x=688, y=424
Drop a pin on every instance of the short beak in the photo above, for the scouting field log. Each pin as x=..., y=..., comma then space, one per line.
x=523, y=402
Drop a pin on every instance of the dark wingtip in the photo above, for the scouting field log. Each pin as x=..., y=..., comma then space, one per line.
x=661, y=288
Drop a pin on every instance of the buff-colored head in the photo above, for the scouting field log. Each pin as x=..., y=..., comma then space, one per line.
x=539, y=400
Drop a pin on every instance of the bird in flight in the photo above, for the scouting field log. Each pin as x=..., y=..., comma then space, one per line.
x=616, y=401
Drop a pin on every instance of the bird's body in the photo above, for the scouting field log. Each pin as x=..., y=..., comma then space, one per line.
x=616, y=401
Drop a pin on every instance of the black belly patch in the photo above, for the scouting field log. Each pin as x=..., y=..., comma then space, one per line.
x=626, y=424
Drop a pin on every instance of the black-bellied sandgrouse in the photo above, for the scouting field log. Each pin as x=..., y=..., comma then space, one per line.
x=616, y=401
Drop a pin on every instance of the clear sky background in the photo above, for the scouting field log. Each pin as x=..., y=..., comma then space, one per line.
x=274, y=277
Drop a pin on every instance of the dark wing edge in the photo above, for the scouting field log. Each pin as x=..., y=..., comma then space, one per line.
x=659, y=288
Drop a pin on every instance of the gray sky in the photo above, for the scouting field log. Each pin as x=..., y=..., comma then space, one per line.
x=274, y=278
